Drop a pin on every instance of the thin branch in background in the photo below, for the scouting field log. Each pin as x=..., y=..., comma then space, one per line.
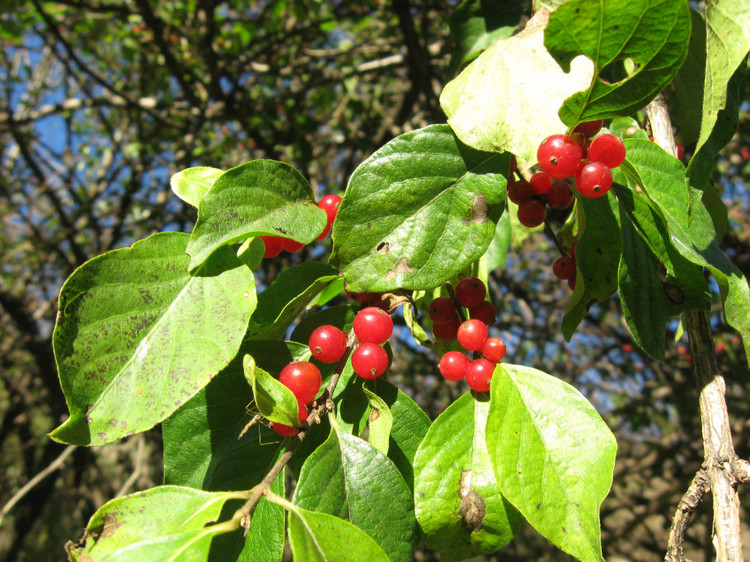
x=685, y=509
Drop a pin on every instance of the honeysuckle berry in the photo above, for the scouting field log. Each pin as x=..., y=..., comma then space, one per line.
x=559, y=156
x=442, y=310
x=327, y=343
x=588, y=128
x=519, y=191
x=531, y=213
x=291, y=246
x=273, y=244
x=472, y=334
x=453, y=365
x=479, y=374
x=593, y=179
x=303, y=379
x=564, y=267
x=447, y=331
x=607, y=149
x=540, y=183
x=369, y=360
x=287, y=430
x=494, y=349
x=560, y=195
x=470, y=291
x=484, y=311
x=372, y=325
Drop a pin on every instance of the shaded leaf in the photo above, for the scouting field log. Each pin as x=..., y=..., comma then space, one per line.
x=137, y=335
x=273, y=400
x=475, y=24
x=191, y=184
x=379, y=421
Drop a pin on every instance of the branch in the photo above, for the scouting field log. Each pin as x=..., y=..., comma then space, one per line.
x=685, y=509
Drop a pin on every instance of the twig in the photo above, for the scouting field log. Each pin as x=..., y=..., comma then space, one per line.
x=685, y=509
x=53, y=466
x=137, y=468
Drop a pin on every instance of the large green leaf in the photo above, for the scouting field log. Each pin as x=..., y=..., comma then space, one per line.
x=137, y=335
x=457, y=500
x=282, y=302
x=192, y=184
x=553, y=456
x=418, y=211
x=350, y=479
x=163, y=523
x=259, y=197
x=597, y=258
x=691, y=229
x=507, y=99
x=319, y=537
x=653, y=34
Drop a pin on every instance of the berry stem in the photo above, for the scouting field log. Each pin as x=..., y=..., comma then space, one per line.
x=452, y=295
x=551, y=233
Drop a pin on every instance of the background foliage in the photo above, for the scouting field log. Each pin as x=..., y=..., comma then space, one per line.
x=104, y=101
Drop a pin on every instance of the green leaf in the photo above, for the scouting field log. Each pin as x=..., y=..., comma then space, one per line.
x=654, y=35
x=259, y=197
x=379, y=422
x=507, y=99
x=458, y=503
x=417, y=212
x=690, y=229
x=191, y=184
x=642, y=294
x=281, y=303
x=137, y=335
x=727, y=45
x=597, y=258
x=475, y=24
x=163, y=523
x=498, y=249
x=348, y=478
x=321, y=537
x=273, y=400
x=553, y=456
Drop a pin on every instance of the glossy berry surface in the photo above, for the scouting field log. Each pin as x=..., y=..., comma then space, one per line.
x=494, y=349
x=369, y=360
x=453, y=365
x=484, y=311
x=327, y=343
x=519, y=191
x=607, y=149
x=559, y=156
x=593, y=179
x=540, y=183
x=564, y=267
x=330, y=204
x=589, y=128
x=531, y=213
x=470, y=291
x=447, y=331
x=291, y=246
x=303, y=379
x=372, y=325
x=472, y=334
x=287, y=430
x=442, y=310
x=273, y=246
x=560, y=195
x=479, y=374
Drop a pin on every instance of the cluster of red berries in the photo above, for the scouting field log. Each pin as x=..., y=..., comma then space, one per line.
x=472, y=334
x=589, y=160
x=372, y=328
x=275, y=244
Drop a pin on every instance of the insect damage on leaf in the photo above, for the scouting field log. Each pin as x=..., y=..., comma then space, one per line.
x=402, y=267
x=473, y=508
x=480, y=210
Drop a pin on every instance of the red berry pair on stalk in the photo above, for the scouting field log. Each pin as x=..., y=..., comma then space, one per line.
x=275, y=244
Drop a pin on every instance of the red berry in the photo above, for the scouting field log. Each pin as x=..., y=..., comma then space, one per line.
x=470, y=291
x=453, y=365
x=273, y=246
x=589, y=128
x=447, y=331
x=573, y=249
x=680, y=150
x=531, y=213
x=564, y=267
x=479, y=374
x=607, y=149
x=560, y=195
x=442, y=310
x=287, y=430
x=330, y=204
x=369, y=360
x=627, y=348
x=472, y=334
x=484, y=311
x=494, y=349
x=572, y=283
x=303, y=379
x=291, y=246
x=361, y=297
x=540, y=183
x=372, y=325
x=593, y=179
x=519, y=191
x=325, y=232
x=327, y=343
x=559, y=156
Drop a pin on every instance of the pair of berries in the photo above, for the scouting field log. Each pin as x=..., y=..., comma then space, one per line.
x=565, y=269
x=470, y=293
x=275, y=244
x=372, y=327
x=589, y=161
